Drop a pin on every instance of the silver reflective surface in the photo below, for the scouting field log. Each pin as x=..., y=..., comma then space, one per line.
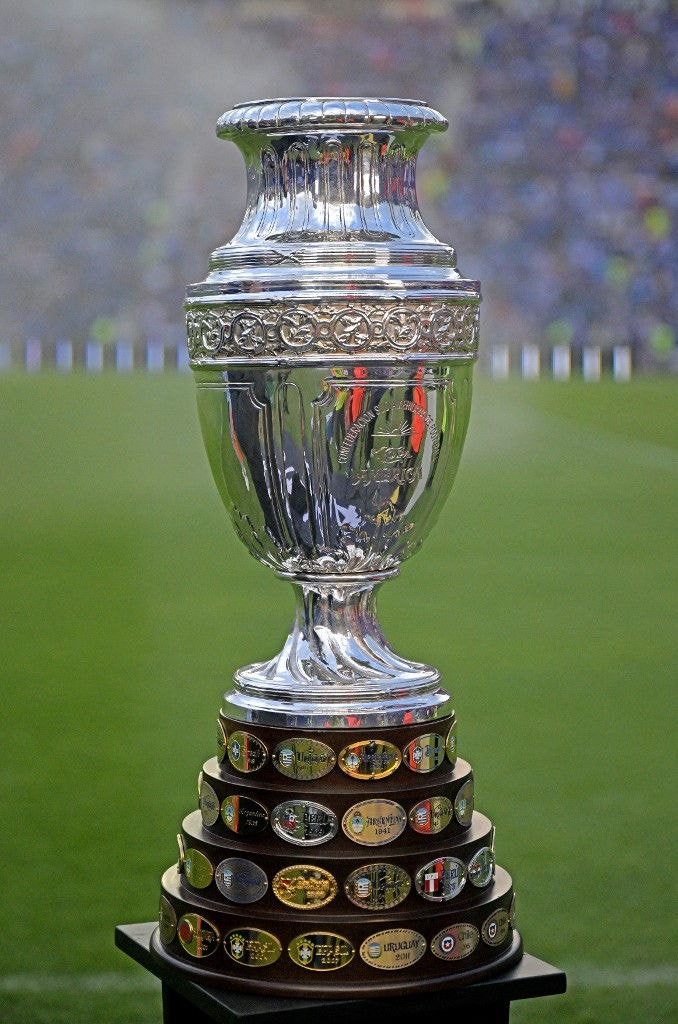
x=333, y=344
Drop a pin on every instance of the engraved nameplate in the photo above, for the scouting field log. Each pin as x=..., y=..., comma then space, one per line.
x=208, y=801
x=377, y=886
x=198, y=936
x=431, y=816
x=425, y=753
x=370, y=759
x=455, y=942
x=393, y=949
x=320, y=951
x=374, y=822
x=480, y=868
x=463, y=803
x=440, y=880
x=304, y=822
x=304, y=886
x=198, y=868
x=303, y=758
x=244, y=816
x=167, y=921
x=246, y=752
x=496, y=927
x=240, y=880
x=252, y=947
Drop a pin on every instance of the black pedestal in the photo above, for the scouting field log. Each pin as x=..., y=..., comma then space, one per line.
x=486, y=1002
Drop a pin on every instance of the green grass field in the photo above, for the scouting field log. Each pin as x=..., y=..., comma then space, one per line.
x=546, y=595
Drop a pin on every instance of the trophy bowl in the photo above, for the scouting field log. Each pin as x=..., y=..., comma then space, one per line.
x=336, y=849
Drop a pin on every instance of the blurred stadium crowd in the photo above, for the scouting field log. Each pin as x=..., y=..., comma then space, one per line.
x=574, y=121
x=557, y=181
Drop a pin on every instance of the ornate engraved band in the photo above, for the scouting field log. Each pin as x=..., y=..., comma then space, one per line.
x=332, y=329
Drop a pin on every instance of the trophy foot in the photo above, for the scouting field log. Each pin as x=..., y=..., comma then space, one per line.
x=336, y=670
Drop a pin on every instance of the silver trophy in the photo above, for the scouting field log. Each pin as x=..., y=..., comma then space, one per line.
x=333, y=344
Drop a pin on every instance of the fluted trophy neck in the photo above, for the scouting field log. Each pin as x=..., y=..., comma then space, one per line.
x=331, y=169
x=331, y=216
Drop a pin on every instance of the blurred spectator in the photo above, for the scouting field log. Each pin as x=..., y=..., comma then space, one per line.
x=557, y=181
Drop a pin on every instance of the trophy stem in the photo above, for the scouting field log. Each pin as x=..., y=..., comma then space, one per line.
x=336, y=668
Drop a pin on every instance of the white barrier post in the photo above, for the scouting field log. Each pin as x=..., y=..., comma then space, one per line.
x=94, y=357
x=124, y=357
x=33, y=355
x=499, y=362
x=155, y=357
x=621, y=362
x=530, y=362
x=561, y=362
x=63, y=356
x=591, y=363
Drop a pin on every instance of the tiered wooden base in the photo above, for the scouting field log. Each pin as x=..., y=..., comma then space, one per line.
x=337, y=864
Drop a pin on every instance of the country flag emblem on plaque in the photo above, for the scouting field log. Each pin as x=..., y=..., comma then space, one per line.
x=363, y=888
x=289, y=819
x=434, y=877
x=306, y=952
x=422, y=817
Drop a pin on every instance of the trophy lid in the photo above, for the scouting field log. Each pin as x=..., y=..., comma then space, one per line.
x=325, y=113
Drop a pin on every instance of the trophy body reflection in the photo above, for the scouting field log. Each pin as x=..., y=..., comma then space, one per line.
x=336, y=850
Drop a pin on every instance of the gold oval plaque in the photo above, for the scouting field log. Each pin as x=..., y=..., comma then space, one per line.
x=252, y=947
x=244, y=816
x=455, y=942
x=320, y=951
x=496, y=927
x=222, y=741
x=303, y=758
x=198, y=936
x=425, y=753
x=463, y=803
x=208, y=801
x=370, y=759
x=181, y=863
x=451, y=744
x=167, y=921
x=377, y=886
x=431, y=816
x=374, y=822
x=198, y=868
x=304, y=886
x=246, y=752
x=393, y=949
